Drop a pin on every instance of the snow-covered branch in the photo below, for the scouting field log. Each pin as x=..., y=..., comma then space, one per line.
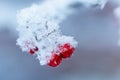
x=39, y=29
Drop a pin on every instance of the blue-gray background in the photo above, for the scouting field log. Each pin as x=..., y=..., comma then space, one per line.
x=97, y=56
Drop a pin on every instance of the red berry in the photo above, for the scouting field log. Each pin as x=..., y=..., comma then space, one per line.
x=31, y=51
x=36, y=49
x=55, y=60
x=66, y=50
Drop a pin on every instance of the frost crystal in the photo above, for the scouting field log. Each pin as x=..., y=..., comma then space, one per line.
x=39, y=32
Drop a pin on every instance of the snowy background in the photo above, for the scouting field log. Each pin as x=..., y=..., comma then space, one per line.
x=97, y=56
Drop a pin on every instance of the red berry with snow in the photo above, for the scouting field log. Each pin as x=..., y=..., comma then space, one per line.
x=55, y=60
x=66, y=50
x=36, y=49
x=31, y=51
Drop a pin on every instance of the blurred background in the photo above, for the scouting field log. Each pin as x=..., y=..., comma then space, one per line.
x=97, y=56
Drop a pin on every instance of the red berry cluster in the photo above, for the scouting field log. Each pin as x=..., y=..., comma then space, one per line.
x=65, y=51
x=32, y=51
